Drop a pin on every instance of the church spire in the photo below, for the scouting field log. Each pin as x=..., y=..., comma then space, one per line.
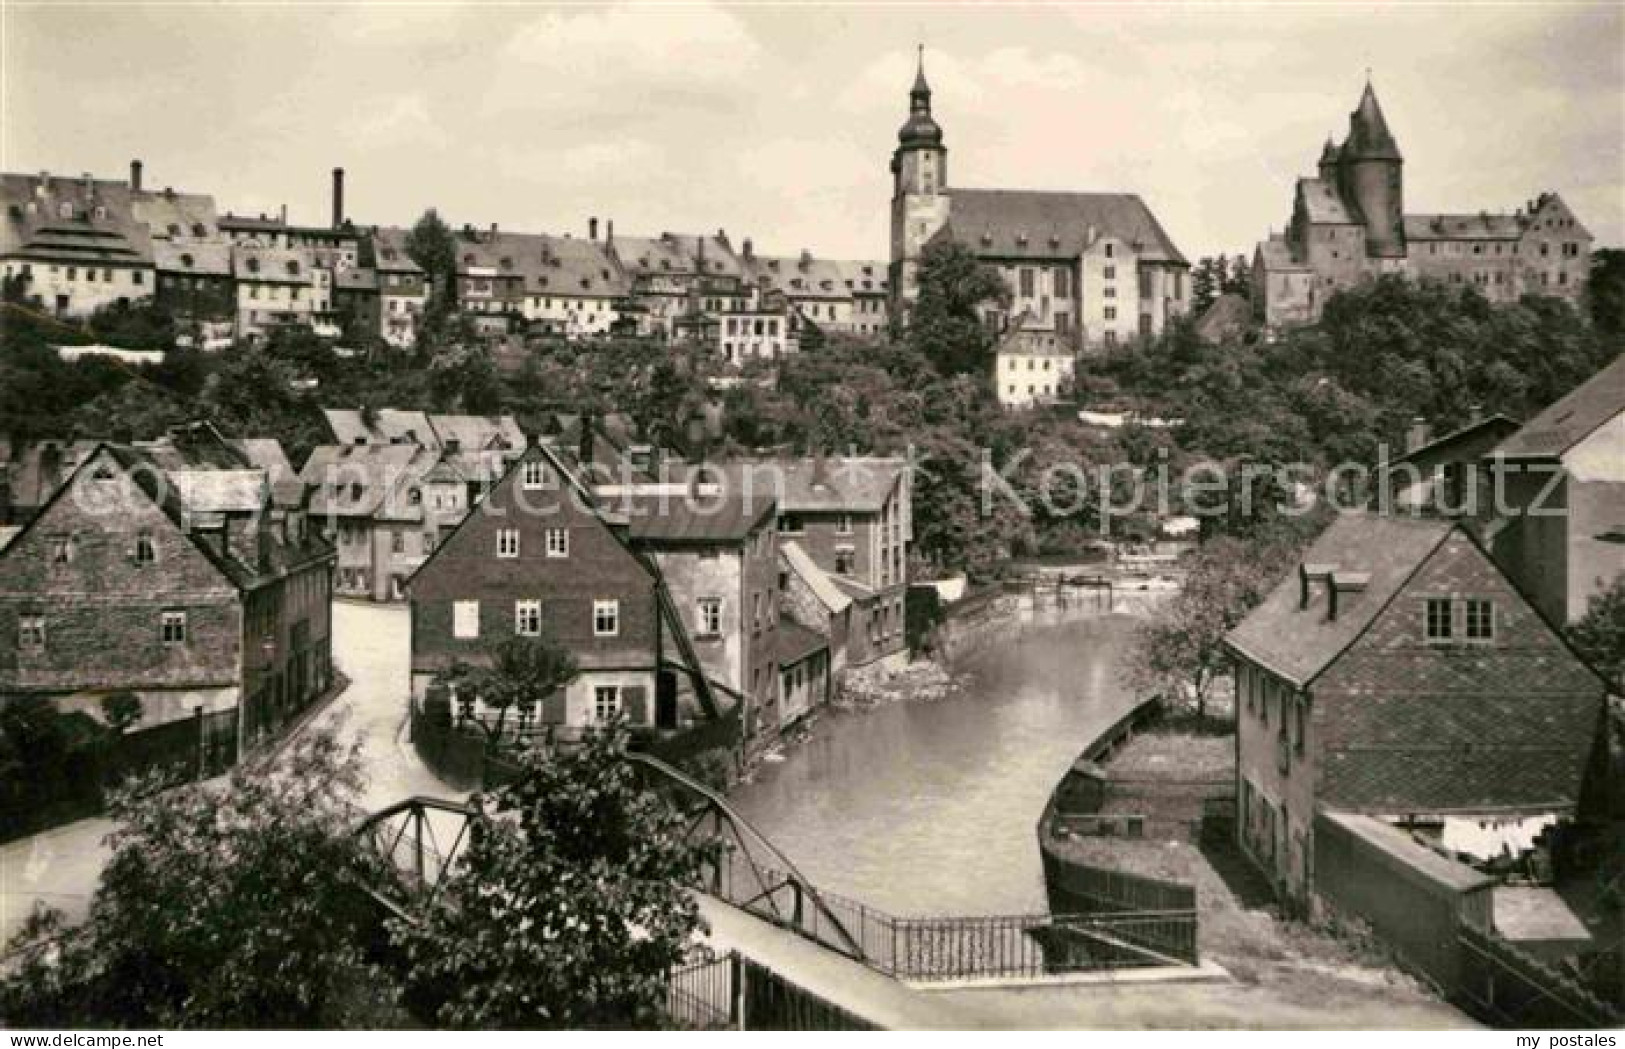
x=920, y=129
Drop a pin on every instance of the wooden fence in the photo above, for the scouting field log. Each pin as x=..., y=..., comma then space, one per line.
x=1505, y=987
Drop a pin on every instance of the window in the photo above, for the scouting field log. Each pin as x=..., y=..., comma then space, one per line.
x=1026, y=282
x=845, y=559
x=527, y=618
x=1063, y=284
x=1299, y=710
x=31, y=633
x=1111, y=251
x=507, y=542
x=790, y=523
x=710, y=616
x=1063, y=322
x=558, y=542
x=535, y=475
x=397, y=542
x=756, y=613
x=1480, y=620
x=172, y=625
x=61, y=549
x=1438, y=619
x=145, y=552
x=1111, y=313
x=843, y=524
x=606, y=618
x=1109, y=273
x=465, y=619
x=606, y=702
x=1110, y=293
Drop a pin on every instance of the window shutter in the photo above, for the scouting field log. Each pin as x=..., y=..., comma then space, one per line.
x=636, y=701
x=553, y=708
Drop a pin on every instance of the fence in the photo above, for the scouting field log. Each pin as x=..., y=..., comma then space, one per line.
x=983, y=946
x=1503, y=986
x=733, y=992
x=74, y=784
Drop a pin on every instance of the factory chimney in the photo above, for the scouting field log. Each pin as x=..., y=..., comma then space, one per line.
x=135, y=175
x=338, y=197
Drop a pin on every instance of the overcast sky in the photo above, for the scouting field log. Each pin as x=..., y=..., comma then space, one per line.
x=778, y=122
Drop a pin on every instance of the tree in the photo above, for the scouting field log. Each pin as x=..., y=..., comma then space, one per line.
x=945, y=325
x=1599, y=635
x=569, y=906
x=433, y=246
x=523, y=672
x=1206, y=278
x=1605, y=291
x=1179, y=653
x=220, y=908
x=121, y=710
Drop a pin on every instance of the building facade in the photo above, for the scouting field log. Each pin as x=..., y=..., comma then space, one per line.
x=1564, y=478
x=1399, y=674
x=173, y=574
x=536, y=556
x=1349, y=224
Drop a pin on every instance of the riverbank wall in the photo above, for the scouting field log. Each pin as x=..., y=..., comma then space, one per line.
x=998, y=612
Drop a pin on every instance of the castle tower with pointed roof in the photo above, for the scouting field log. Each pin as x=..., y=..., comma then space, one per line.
x=1372, y=176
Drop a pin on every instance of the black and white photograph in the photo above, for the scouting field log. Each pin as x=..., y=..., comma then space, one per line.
x=770, y=516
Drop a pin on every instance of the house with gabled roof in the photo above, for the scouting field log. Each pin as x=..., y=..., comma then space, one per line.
x=1399, y=673
x=170, y=569
x=536, y=556
x=1563, y=475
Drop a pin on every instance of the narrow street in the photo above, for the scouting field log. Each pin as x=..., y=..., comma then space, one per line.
x=59, y=867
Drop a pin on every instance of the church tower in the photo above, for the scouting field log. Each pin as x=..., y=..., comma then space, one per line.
x=919, y=203
x=1372, y=178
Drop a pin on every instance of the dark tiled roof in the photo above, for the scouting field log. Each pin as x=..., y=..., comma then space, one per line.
x=857, y=483
x=197, y=258
x=355, y=278
x=993, y=222
x=1571, y=418
x=1298, y=643
x=700, y=521
x=795, y=642
x=561, y=267
x=1483, y=226
x=1369, y=137
x=1276, y=253
x=387, y=426
x=1322, y=203
x=71, y=220
x=1464, y=435
x=179, y=502
x=1228, y=314
x=366, y=480
x=273, y=265
x=389, y=251
x=175, y=216
x=802, y=277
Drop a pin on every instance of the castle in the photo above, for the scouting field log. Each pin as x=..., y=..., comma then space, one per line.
x=1086, y=271
x=1349, y=224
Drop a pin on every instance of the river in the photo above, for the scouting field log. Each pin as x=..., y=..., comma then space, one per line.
x=929, y=807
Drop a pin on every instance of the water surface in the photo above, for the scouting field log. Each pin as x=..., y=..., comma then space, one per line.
x=929, y=807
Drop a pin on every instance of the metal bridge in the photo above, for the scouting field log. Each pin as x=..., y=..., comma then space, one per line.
x=796, y=956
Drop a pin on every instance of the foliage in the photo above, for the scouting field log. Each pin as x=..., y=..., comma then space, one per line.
x=945, y=325
x=568, y=907
x=523, y=671
x=220, y=908
x=1179, y=652
x=121, y=710
x=1213, y=276
x=1599, y=635
x=433, y=246
x=1605, y=292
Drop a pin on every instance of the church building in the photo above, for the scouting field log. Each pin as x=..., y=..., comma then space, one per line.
x=1086, y=271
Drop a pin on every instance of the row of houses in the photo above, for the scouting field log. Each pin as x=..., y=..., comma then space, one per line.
x=1413, y=675
x=197, y=571
x=72, y=246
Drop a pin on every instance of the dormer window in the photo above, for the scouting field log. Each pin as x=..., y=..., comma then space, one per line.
x=293, y=267
x=253, y=265
x=186, y=260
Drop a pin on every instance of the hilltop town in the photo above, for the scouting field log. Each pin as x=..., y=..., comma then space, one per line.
x=572, y=524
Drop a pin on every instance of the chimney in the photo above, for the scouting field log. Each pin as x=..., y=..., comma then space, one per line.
x=806, y=260
x=1307, y=574
x=282, y=215
x=609, y=231
x=338, y=197
x=493, y=231
x=1417, y=435
x=135, y=175
x=592, y=229
x=748, y=250
x=1343, y=583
